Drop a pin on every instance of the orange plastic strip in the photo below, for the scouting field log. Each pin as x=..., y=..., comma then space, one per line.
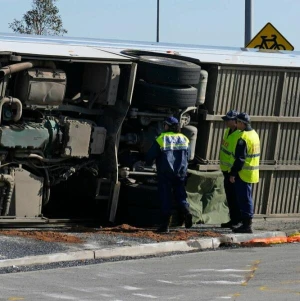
x=270, y=240
x=294, y=238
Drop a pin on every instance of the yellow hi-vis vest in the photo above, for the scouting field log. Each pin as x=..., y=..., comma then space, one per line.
x=228, y=148
x=172, y=141
x=250, y=170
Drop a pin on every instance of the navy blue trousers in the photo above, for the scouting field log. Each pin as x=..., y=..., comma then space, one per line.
x=167, y=186
x=244, y=197
x=234, y=209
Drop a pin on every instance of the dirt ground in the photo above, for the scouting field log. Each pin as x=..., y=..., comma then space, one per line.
x=174, y=235
x=49, y=236
x=123, y=230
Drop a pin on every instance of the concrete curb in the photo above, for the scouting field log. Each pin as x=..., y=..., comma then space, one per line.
x=43, y=259
x=238, y=238
x=140, y=250
x=157, y=248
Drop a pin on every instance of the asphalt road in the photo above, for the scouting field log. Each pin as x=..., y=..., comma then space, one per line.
x=268, y=273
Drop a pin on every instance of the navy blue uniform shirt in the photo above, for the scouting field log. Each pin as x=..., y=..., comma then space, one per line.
x=240, y=154
x=172, y=162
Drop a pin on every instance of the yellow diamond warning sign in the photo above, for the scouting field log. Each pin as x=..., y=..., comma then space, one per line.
x=270, y=38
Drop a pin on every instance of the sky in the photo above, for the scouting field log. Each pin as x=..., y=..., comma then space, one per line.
x=201, y=22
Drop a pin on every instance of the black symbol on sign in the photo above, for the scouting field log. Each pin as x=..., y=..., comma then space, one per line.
x=270, y=43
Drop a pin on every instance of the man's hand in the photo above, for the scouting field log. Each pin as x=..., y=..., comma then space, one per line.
x=139, y=166
x=232, y=179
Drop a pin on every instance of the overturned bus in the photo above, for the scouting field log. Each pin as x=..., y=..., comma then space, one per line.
x=78, y=115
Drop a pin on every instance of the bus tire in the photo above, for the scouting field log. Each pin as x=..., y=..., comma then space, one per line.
x=165, y=96
x=168, y=71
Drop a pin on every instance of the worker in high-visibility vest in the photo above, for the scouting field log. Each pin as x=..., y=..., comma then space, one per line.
x=245, y=170
x=170, y=150
x=227, y=149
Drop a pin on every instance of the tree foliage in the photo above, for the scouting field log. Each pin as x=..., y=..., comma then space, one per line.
x=42, y=19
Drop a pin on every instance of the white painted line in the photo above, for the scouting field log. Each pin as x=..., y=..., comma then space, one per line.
x=131, y=288
x=221, y=271
x=222, y=282
x=233, y=270
x=201, y=275
x=89, y=289
x=235, y=276
x=165, y=281
x=145, y=296
x=191, y=276
x=59, y=297
x=196, y=282
x=201, y=270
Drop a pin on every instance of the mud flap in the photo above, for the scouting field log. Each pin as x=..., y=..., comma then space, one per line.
x=114, y=202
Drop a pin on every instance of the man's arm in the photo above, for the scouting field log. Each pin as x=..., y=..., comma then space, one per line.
x=240, y=157
x=152, y=153
x=189, y=152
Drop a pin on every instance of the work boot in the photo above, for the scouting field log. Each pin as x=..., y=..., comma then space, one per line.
x=188, y=218
x=164, y=226
x=230, y=224
x=246, y=227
